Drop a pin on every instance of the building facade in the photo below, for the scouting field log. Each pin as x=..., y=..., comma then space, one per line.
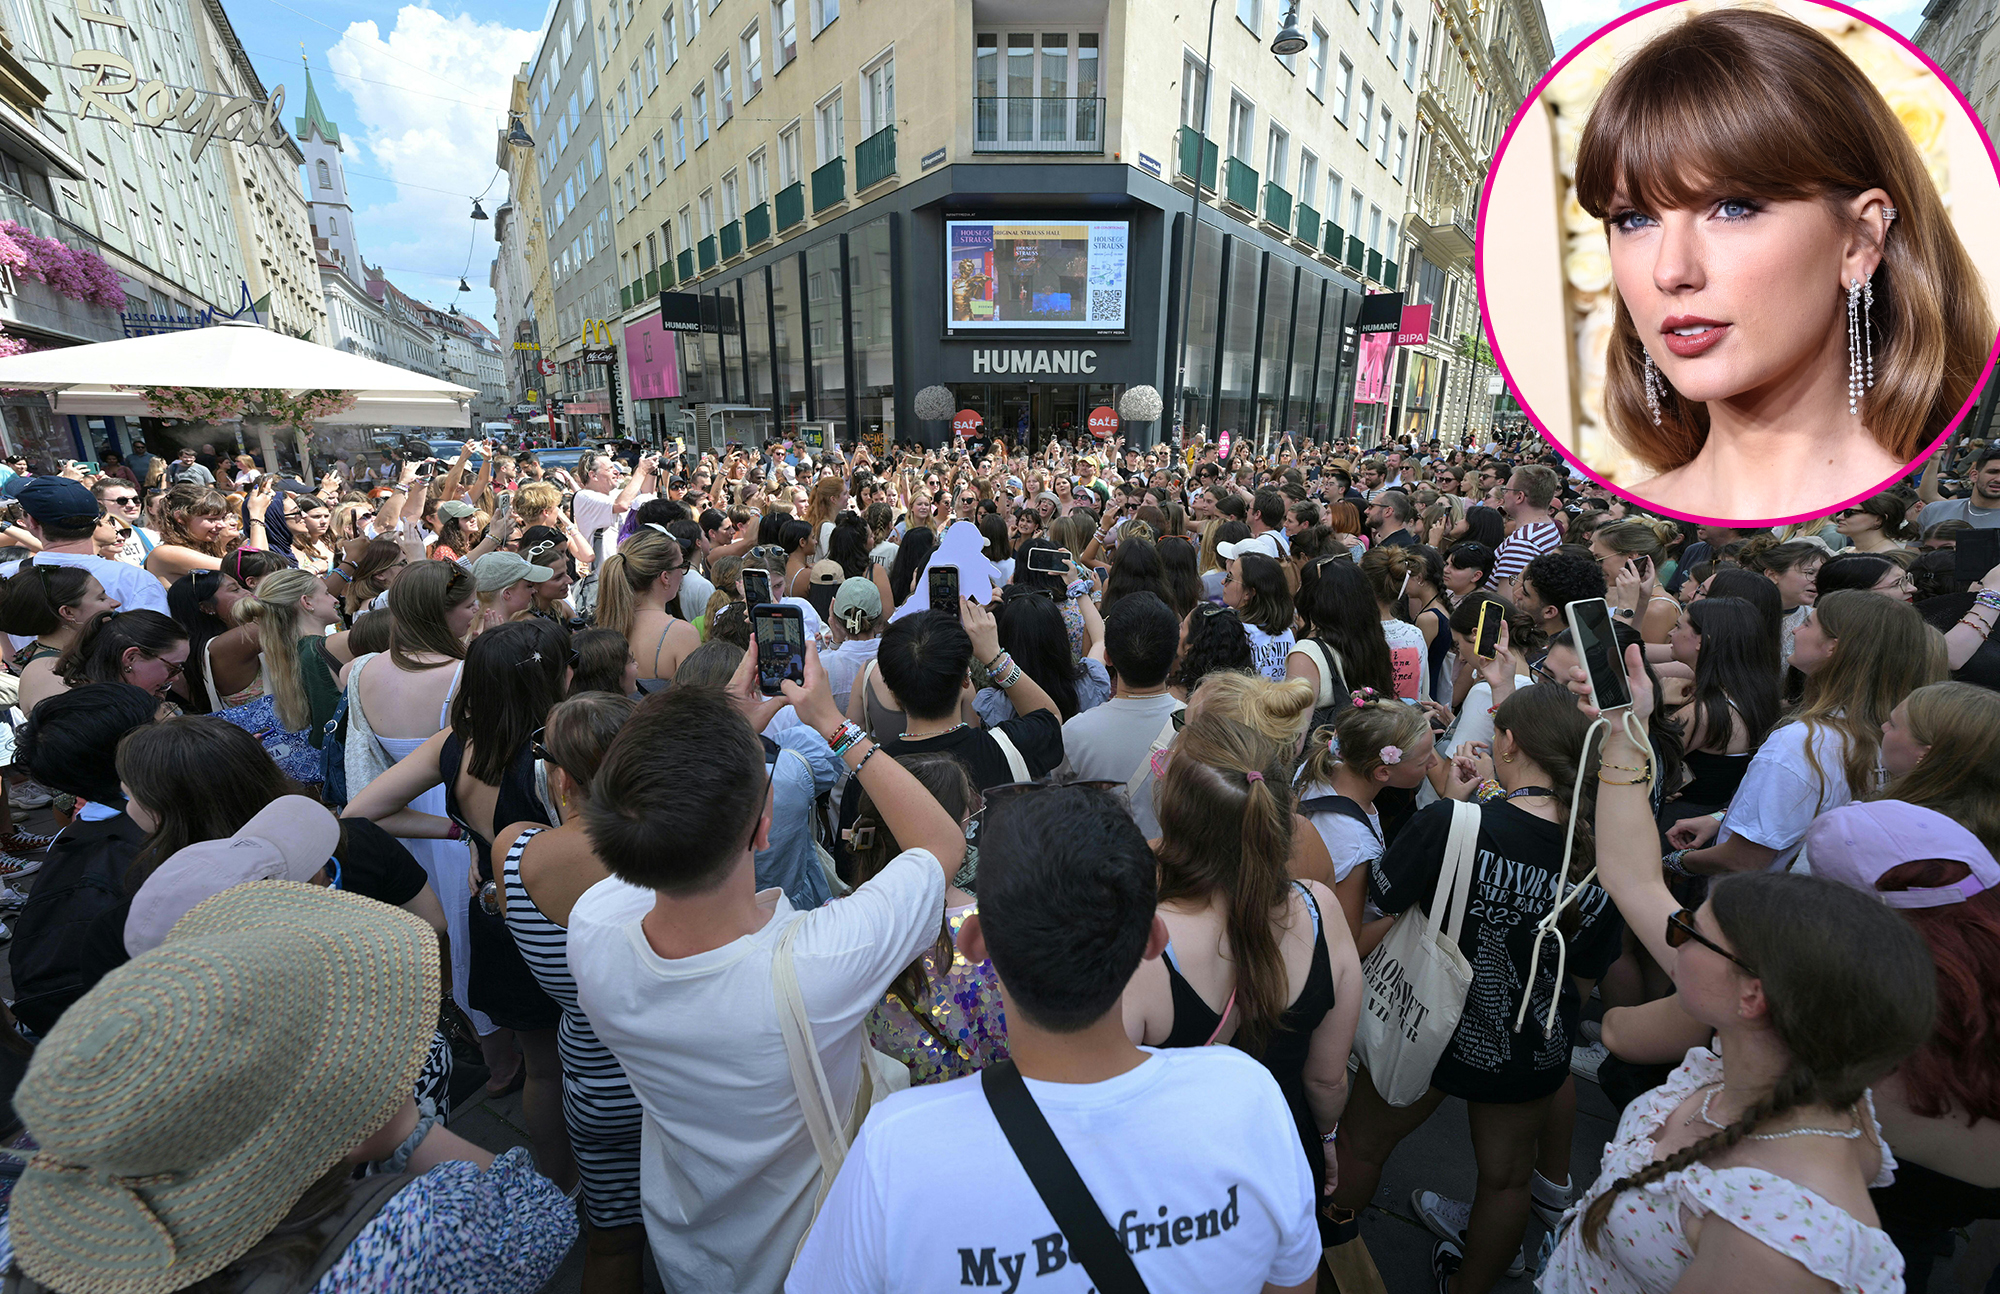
x=517, y=228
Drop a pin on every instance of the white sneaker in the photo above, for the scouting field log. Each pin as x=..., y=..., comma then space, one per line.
x=1447, y=1219
x=1584, y=1061
x=11, y=897
x=26, y=793
x=5, y=933
x=1592, y=1031
x=13, y=868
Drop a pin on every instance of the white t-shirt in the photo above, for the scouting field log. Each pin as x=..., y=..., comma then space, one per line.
x=727, y=1170
x=1780, y=795
x=844, y=663
x=135, y=587
x=1224, y=1204
x=593, y=512
x=1348, y=843
x=1268, y=652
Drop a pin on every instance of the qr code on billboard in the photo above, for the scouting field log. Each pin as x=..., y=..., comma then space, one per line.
x=1107, y=303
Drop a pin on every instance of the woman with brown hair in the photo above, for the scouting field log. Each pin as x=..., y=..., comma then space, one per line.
x=194, y=524
x=1879, y=524
x=1253, y=957
x=1753, y=182
x=827, y=500
x=361, y=572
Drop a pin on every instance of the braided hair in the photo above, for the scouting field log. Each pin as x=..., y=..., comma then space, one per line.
x=1845, y=1021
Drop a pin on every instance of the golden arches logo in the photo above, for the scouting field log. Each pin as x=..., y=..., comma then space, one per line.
x=596, y=332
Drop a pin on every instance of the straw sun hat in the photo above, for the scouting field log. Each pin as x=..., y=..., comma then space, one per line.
x=186, y=1103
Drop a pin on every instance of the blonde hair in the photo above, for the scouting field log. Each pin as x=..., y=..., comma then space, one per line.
x=640, y=561
x=1276, y=711
x=1637, y=537
x=1357, y=735
x=536, y=499
x=274, y=608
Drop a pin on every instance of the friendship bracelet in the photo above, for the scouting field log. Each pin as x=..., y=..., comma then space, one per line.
x=865, y=758
x=1488, y=791
x=999, y=662
x=1628, y=768
x=1637, y=781
x=1674, y=862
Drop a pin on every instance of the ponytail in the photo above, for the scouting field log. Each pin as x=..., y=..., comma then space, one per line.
x=274, y=609
x=616, y=605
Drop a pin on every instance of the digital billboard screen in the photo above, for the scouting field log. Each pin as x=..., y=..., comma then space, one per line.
x=1030, y=276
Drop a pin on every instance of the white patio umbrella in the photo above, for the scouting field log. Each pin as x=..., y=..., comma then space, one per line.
x=89, y=379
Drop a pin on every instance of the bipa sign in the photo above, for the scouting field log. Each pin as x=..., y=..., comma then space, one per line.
x=1414, y=329
x=996, y=360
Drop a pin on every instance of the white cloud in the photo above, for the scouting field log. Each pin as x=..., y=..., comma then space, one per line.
x=412, y=135
x=1570, y=21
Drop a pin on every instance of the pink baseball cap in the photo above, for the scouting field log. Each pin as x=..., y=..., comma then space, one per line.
x=1856, y=843
x=290, y=839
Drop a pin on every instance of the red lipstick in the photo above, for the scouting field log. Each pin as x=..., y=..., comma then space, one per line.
x=1674, y=332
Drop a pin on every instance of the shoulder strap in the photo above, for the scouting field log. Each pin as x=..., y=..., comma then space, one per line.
x=1164, y=738
x=1017, y=764
x=1342, y=805
x=1455, y=877
x=831, y=1134
x=1091, y=1240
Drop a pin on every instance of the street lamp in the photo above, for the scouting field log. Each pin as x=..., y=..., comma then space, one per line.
x=517, y=134
x=479, y=212
x=1288, y=41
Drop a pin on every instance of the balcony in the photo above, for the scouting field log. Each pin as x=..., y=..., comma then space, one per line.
x=704, y=252
x=652, y=283
x=1305, y=225
x=1445, y=233
x=1239, y=184
x=757, y=224
x=791, y=206
x=1193, y=144
x=875, y=159
x=732, y=241
x=1336, y=240
x=1277, y=207
x=1033, y=124
x=1357, y=255
x=625, y=297
x=684, y=265
x=1389, y=275
x=1375, y=266
x=830, y=185
x=667, y=274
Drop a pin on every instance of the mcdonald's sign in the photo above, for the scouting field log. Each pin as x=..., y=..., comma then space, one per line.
x=596, y=332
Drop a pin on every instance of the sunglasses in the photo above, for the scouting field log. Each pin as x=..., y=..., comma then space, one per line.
x=1680, y=929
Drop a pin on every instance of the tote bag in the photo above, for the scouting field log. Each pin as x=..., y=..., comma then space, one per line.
x=1414, y=983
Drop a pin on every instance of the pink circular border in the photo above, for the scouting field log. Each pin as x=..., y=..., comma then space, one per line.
x=1479, y=272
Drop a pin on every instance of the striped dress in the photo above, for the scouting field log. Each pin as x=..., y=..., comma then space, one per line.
x=598, y=1106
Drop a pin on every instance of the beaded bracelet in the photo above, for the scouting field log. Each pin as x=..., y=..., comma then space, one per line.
x=1988, y=598
x=1637, y=781
x=865, y=758
x=1488, y=791
x=1674, y=863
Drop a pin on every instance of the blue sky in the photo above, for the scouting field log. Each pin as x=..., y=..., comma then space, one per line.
x=417, y=93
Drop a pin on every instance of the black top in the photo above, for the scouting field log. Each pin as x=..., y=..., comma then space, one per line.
x=1982, y=668
x=1713, y=780
x=1439, y=649
x=1513, y=887
x=376, y=864
x=1037, y=736
x=57, y=955
x=517, y=801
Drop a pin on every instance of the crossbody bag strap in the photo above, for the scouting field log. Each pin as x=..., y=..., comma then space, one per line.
x=1090, y=1239
x=1017, y=763
x=1165, y=737
x=1455, y=877
x=823, y=1121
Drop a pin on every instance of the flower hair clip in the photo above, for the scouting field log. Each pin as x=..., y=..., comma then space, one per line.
x=1392, y=754
x=1361, y=696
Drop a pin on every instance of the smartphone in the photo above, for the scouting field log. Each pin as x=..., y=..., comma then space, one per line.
x=1975, y=553
x=1049, y=561
x=756, y=586
x=505, y=507
x=83, y=466
x=1486, y=637
x=781, y=646
x=1590, y=627
x=943, y=587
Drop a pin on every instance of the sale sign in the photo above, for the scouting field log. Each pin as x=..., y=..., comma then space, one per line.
x=1222, y=445
x=1104, y=422
x=966, y=423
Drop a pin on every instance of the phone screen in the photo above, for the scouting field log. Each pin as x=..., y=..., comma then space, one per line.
x=756, y=585
x=943, y=587
x=1975, y=553
x=781, y=647
x=1049, y=561
x=1486, y=638
x=1597, y=643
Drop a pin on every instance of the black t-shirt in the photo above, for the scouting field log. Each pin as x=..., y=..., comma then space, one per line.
x=1982, y=668
x=375, y=863
x=1513, y=887
x=1038, y=736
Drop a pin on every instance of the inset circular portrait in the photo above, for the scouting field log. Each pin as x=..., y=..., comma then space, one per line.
x=1737, y=259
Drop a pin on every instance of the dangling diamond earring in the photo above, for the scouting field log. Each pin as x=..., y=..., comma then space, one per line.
x=1854, y=360
x=1655, y=385
x=1867, y=327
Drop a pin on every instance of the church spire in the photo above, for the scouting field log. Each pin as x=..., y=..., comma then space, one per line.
x=315, y=118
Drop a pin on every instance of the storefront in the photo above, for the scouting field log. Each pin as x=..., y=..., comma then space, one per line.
x=1035, y=292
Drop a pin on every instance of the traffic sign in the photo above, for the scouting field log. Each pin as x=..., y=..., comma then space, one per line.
x=966, y=423
x=1104, y=422
x=534, y=397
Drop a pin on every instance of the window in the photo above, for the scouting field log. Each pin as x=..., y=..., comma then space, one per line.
x=569, y=195
x=1194, y=91
x=589, y=242
x=830, y=137
x=1367, y=113
x=824, y=12
x=1392, y=250
x=680, y=137
x=1343, y=89
x=624, y=117
x=670, y=39
x=707, y=203
x=596, y=158
x=332, y=226
x=1277, y=145
x=1241, y=119
x=785, y=34
x=603, y=44
x=760, y=182
x=645, y=175
x=1395, y=33
x=1250, y=14
x=725, y=92
x=1354, y=203
x=1382, y=141
x=652, y=65
x=575, y=112
x=694, y=18
x=1410, y=60
x=1375, y=19
x=618, y=194
x=687, y=226
x=701, y=115
x=1374, y=229
x=325, y=176
x=753, y=62
x=1402, y=152
x=788, y=156
x=660, y=153
x=1316, y=63
x=730, y=210
x=1308, y=176
x=878, y=96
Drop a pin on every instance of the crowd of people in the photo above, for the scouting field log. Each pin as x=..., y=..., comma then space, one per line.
x=1095, y=892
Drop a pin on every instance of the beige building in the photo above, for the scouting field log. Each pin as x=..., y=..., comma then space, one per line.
x=522, y=258
x=849, y=200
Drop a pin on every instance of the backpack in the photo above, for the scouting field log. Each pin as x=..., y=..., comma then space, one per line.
x=1333, y=693
x=333, y=759
x=1340, y=804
